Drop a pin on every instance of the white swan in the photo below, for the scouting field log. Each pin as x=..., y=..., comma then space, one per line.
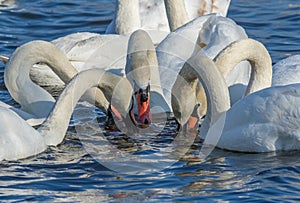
x=213, y=34
x=263, y=121
x=246, y=49
x=36, y=103
x=20, y=140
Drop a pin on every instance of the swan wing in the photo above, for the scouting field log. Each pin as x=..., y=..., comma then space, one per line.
x=267, y=120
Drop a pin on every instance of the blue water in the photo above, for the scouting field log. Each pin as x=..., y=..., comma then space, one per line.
x=68, y=173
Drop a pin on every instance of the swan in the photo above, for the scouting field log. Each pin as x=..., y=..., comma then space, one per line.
x=142, y=71
x=36, y=103
x=264, y=121
x=245, y=49
x=19, y=140
x=208, y=34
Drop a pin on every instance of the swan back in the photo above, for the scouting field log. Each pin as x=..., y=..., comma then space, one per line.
x=267, y=120
x=286, y=71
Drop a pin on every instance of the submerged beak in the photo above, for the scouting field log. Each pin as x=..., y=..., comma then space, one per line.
x=143, y=105
x=115, y=112
x=192, y=124
x=194, y=118
x=142, y=97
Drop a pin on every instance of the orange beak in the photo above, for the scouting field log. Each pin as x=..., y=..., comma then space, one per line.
x=143, y=104
x=194, y=118
x=193, y=121
x=116, y=112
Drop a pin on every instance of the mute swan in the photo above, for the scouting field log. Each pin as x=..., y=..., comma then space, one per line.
x=245, y=49
x=142, y=71
x=36, y=103
x=266, y=120
x=20, y=140
x=214, y=33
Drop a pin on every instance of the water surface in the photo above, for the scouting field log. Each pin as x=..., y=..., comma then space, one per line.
x=69, y=173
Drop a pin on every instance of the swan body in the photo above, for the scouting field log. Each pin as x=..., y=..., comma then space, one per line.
x=29, y=118
x=20, y=140
x=264, y=121
x=286, y=71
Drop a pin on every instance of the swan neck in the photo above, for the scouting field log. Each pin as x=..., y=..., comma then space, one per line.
x=214, y=86
x=56, y=124
x=252, y=51
x=127, y=18
x=176, y=13
x=17, y=74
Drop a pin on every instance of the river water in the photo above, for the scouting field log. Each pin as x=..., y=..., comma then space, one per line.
x=68, y=173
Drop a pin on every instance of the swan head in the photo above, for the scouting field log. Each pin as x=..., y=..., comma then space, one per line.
x=184, y=103
x=138, y=64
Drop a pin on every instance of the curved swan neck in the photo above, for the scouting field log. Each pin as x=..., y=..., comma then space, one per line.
x=127, y=18
x=203, y=68
x=252, y=51
x=141, y=64
x=176, y=13
x=17, y=70
x=137, y=63
x=55, y=126
x=18, y=81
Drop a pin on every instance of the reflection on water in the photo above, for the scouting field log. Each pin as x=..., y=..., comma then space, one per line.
x=70, y=172
x=7, y=4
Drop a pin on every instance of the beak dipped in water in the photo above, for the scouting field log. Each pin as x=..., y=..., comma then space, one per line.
x=142, y=97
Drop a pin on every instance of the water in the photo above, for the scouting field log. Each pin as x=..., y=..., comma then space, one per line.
x=68, y=173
